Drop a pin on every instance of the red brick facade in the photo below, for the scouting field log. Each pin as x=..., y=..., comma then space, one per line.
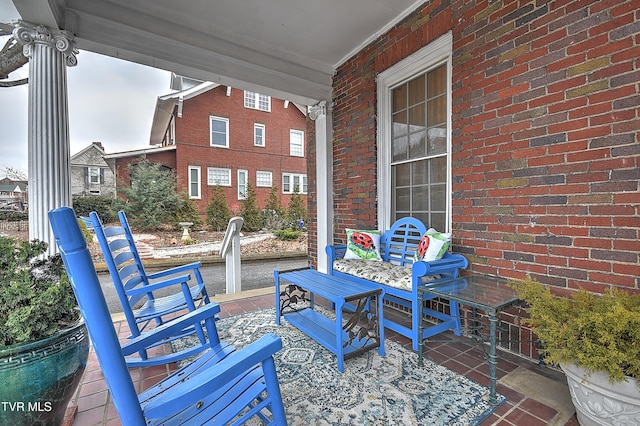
x=545, y=136
x=193, y=147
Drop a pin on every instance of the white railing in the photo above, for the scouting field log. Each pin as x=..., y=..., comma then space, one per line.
x=231, y=253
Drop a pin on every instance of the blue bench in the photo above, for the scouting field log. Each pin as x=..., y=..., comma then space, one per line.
x=397, y=248
x=361, y=332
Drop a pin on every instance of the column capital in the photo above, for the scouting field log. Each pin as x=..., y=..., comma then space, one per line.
x=317, y=110
x=29, y=34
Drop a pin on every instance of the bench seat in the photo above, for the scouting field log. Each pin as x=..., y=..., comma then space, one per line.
x=379, y=272
x=399, y=276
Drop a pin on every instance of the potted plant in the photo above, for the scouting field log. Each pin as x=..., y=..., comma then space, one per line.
x=595, y=339
x=43, y=341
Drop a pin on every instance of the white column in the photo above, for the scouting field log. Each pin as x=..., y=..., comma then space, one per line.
x=324, y=181
x=49, y=52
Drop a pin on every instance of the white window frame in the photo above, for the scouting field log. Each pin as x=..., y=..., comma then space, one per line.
x=91, y=175
x=261, y=127
x=294, y=150
x=256, y=100
x=242, y=195
x=226, y=121
x=262, y=176
x=191, y=182
x=302, y=178
x=212, y=182
x=434, y=54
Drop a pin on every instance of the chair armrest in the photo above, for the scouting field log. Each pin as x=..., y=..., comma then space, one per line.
x=158, y=285
x=450, y=263
x=176, y=270
x=171, y=328
x=215, y=377
x=336, y=251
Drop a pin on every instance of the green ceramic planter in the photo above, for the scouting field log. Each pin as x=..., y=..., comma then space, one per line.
x=37, y=380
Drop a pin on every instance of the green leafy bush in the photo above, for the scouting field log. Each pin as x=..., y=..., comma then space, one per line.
x=106, y=207
x=36, y=298
x=287, y=234
x=595, y=332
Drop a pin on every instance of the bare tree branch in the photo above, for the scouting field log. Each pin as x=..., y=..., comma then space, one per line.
x=11, y=58
x=14, y=82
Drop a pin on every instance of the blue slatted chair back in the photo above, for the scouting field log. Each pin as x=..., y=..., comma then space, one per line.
x=222, y=386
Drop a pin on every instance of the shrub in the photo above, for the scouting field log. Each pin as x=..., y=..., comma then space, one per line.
x=106, y=207
x=297, y=210
x=188, y=212
x=287, y=234
x=594, y=332
x=152, y=198
x=36, y=298
x=250, y=213
x=218, y=213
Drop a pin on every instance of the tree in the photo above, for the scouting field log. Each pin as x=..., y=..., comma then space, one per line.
x=11, y=58
x=250, y=212
x=297, y=210
x=14, y=174
x=188, y=212
x=218, y=213
x=152, y=199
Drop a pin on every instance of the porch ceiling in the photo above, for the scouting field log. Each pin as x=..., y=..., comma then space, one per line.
x=285, y=48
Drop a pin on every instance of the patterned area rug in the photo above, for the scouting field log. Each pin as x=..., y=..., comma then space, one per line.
x=374, y=390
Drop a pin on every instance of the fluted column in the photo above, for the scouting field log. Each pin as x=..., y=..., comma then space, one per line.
x=49, y=52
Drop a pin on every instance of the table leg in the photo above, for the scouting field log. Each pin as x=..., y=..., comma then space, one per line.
x=493, y=359
x=420, y=340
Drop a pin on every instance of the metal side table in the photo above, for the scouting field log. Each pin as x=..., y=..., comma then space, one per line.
x=487, y=293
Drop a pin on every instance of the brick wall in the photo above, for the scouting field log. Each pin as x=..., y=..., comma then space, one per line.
x=193, y=143
x=545, y=136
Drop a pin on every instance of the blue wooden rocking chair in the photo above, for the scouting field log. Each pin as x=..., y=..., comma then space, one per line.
x=223, y=386
x=135, y=288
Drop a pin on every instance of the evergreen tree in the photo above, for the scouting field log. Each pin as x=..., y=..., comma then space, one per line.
x=250, y=212
x=297, y=210
x=218, y=213
x=188, y=212
x=152, y=199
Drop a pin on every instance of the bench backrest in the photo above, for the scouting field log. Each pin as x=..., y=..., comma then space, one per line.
x=398, y=244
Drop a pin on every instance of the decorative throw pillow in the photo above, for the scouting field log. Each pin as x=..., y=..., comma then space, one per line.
x=432, y=246
x=363, y=244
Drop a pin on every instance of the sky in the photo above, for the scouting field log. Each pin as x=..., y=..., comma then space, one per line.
x=110, y=101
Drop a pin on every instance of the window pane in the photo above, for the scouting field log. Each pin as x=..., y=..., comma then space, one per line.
x=437, y=111
x=420, y=173
x=416, y=91
x=399, y=124
x=438, y=197
x=417, y=145
x=438, y=170
x=437, y=140
x=420, y=198
x=437, y=81
x=403, y=199
x=402, y=174
x=400, y=98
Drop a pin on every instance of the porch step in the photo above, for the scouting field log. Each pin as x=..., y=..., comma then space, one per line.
x=145, y=250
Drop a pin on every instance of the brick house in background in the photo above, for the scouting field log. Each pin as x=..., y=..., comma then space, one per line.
x=217, y=135
x=514, y=125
